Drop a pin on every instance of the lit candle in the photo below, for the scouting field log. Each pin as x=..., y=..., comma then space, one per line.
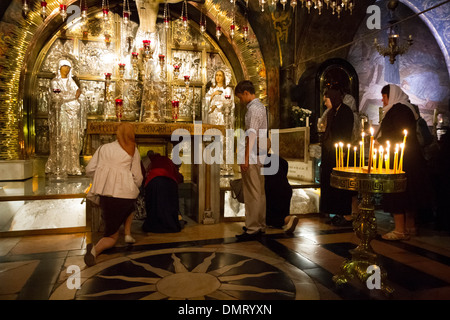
x=354, y=157
x=360, y=154
x=337, y=158
x=386, y=162
x=380, y=160
x=388, y=155
x=362, y=150
x=402, y=146
x=348, y=154
x=370, y=150
x=396, y=158
x=400, y=164
x=374, y=158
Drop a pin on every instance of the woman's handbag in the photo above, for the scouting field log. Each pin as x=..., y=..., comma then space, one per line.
x=236, y=190
x=94, y=198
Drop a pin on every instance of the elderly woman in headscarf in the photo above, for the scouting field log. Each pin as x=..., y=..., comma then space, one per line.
x=215, y=100
x=117, y=176
x=339, y=128
x=399, y=114
x=65, y=124
x=161, y=195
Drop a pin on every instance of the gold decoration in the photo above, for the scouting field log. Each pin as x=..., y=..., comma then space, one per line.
x=13, y=128
x=145, y=128
x=281, y=22
x=247, y=51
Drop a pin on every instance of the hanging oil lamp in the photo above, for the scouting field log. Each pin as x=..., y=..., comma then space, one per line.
x=63, y=11
x=43, y=12
x=25, y=7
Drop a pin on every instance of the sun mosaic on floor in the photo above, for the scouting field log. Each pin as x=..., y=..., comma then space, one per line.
x=207, y=263
x=192, y=273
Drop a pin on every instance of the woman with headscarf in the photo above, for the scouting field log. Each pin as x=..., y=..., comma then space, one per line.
x=116, y=174
x=215, y=100
x=65, y=124
x=161, y=195
x=339, y=127
x=400, y=114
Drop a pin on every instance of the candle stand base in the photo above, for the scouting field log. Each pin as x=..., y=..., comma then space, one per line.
x=363, y=264
x=364, y=257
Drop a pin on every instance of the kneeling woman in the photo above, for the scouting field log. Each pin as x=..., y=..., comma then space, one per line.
x=161, y=196
x=116, y=171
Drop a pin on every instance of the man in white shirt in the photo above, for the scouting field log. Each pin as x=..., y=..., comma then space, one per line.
x=252, y=178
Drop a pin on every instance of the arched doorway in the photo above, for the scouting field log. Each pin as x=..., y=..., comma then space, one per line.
x=95, y=56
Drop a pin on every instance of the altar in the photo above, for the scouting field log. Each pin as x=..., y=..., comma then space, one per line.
x=201, y=175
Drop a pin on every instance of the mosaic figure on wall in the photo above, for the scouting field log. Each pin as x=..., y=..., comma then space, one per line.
x=219, y=102
x=66, y=125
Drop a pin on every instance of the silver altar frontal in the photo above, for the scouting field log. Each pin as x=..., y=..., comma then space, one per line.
x=201, y=175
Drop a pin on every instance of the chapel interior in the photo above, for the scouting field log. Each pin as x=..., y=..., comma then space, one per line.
x=152, y=63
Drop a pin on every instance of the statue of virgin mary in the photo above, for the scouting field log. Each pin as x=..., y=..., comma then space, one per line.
x=66, y=124
x=219, y=100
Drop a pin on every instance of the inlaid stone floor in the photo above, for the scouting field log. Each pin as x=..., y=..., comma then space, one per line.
x=205, y=262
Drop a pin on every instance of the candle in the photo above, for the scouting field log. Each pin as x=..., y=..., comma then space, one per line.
x=404, y=138
x=370, y=150
x=337, y=158
x=374, y=162
x=386, y=162
x=400, y=164
x=403, y=145
x=354, y=158
x=360, y=154
x=362, y=150
x=396, y=158
x=341, y=155
x=388, y=155
x=380, y=160
x=348, y=154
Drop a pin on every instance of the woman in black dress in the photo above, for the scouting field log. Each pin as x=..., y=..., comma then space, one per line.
x=400, y=114
x=339, y=129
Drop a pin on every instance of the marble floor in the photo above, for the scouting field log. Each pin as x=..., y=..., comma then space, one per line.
x=206, y=262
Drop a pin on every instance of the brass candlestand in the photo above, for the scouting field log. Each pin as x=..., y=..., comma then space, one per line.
x=365, y=224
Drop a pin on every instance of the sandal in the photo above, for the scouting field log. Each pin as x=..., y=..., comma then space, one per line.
x=394, y=235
